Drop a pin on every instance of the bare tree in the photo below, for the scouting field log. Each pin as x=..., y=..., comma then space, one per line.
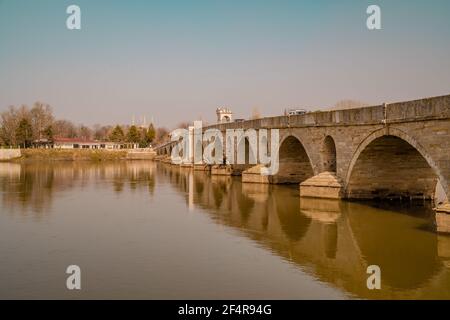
x=39, y=123
x=41, y=119
x=9, y=125
x=101, y=133
x=256, y=114
x=183, y=125
x=162, y=134
x=64, y=129
x=84, y=132
x=10, y=120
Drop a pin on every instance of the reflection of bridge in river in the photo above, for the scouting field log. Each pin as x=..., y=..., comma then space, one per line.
x=333, y=240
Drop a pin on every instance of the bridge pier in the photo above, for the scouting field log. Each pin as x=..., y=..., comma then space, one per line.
x=253, y=175
x=443, y=218
x=166, y=159
x=227, y=169
x=202, y=167
x=238, y=169
x=324, y=185
x=221, y=170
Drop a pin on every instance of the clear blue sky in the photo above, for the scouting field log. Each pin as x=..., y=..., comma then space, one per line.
x=179, y=60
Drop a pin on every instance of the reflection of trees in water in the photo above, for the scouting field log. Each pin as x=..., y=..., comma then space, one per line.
x=27, y=189
x=118, y=184
x=134, y=174
x=36, y=184
x=151, y=184
x=179, y=177
x=141, y=178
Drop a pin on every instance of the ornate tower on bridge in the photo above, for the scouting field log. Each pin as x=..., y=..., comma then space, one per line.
x=224, y=115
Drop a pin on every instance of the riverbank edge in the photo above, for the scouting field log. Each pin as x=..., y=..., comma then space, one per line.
x=74, y=155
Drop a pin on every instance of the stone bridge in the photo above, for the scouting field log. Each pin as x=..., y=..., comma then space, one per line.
x=397, y=150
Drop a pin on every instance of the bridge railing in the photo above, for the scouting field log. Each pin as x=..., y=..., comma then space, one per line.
x=435, y=108
x=423, y=109
x=367, y=115
x=416, y=110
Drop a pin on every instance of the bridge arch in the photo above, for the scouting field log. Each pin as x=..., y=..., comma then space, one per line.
x=295, y=165
x=250, y=155
x=398, y=166
x=328, y=155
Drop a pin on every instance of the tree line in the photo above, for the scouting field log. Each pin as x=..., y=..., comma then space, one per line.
x=23, y=126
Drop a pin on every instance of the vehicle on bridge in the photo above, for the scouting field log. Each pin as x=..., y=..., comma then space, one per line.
x=294, y=112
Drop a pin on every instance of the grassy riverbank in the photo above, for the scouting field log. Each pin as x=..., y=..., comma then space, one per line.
x=71, y=155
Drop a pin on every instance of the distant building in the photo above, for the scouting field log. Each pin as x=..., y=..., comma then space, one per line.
x=78, y=143
x=75, y=143
x=43, y=143
x=224, y=115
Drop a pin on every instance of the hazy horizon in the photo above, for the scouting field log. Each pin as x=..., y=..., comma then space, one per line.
x=177, y=61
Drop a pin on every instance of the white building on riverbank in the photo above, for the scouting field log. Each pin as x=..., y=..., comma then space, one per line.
x=77, y=143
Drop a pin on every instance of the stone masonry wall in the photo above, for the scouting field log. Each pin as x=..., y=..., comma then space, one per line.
x=8, y=154
x=422, y=124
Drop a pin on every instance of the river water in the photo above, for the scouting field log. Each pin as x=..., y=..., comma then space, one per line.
x=147, y=230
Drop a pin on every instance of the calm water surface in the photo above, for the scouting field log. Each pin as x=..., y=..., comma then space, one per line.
x=147, y=230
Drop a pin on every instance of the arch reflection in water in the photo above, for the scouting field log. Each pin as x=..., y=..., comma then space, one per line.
x=334, y=240
x=32, y=186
